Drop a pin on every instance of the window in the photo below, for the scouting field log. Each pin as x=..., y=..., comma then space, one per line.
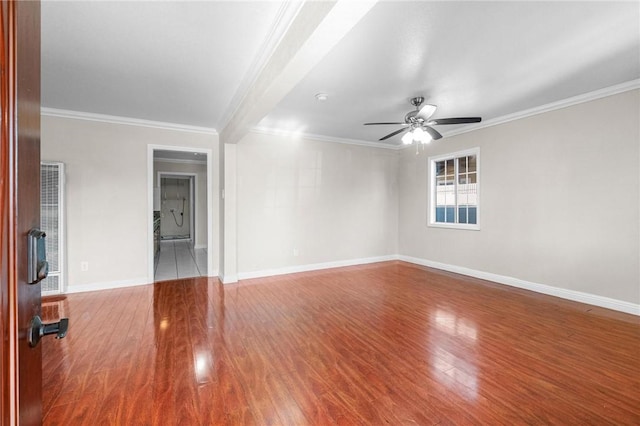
x=454, y=189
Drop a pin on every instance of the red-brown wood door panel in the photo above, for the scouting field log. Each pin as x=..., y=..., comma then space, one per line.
x=20, y=209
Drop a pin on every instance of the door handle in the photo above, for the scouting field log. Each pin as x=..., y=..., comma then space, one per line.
x=38, y=329
x=37, y=257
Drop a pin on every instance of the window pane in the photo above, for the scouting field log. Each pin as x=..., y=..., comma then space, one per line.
x=462, y=179
x=449, y=199
x=450, y=215
x=462, y=165
x=441, y=195
x=462, y=215
x=473, y=215
x=440, y=168
x=472, y=178
x=472, y=163
x=463, y=195
x=450, y=168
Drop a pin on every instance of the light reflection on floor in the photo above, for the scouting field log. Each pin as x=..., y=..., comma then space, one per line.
x=457, y=371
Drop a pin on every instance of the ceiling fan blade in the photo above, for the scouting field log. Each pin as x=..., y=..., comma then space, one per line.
x=435, y=135
x=394, y=133
x=426, y=112
x=460, y=120
x=376, y=124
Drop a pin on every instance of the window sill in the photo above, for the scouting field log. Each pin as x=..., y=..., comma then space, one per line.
x=465, y=226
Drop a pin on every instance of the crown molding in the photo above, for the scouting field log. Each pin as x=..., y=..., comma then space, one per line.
x=575, y=100
x=113, y=119
x=287, y=11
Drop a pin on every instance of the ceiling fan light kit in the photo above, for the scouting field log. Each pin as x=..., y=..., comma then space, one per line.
x=418, y=126
x=416, y=135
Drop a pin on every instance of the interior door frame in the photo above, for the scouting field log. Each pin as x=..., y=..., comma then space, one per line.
x=210, y=194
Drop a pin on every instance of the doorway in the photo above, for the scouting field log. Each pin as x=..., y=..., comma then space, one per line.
x=177, y=202
x=180, y=212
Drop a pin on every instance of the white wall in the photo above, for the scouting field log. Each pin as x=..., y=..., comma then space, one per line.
x=200, y=170
x=106, y=194
x=302, y=202
x=559, y=200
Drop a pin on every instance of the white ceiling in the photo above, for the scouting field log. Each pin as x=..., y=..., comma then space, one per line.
x=172, y=61
x=189, y=63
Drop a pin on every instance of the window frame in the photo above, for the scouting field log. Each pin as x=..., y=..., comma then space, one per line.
x=431, y=220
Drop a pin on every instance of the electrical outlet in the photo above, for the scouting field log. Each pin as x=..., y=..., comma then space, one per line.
x=295, y=252
x=84, y=266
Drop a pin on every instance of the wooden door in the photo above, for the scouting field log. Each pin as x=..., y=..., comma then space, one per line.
x=21, y=365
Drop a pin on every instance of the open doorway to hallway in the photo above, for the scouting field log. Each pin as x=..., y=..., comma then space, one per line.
x=181, y=226
x=178, y=255
x=177, y=202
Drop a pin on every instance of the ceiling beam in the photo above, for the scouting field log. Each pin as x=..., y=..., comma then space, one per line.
x=315, y=30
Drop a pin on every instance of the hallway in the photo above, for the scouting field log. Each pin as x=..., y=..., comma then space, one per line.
x=178, y=259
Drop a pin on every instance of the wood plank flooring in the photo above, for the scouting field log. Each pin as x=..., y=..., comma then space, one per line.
x=389, y=343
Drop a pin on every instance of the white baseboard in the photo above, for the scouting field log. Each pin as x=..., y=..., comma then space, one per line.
x=228, y=279
x=109, y=285
x=314, y=267
x=577, y=296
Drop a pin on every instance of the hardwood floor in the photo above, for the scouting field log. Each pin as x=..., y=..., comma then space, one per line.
x=389, y=343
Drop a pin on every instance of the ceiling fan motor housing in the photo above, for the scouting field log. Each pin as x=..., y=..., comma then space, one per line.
x=417, y=101
x=410, y=118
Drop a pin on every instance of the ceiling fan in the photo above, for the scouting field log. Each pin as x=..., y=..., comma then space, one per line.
x=418, y=123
